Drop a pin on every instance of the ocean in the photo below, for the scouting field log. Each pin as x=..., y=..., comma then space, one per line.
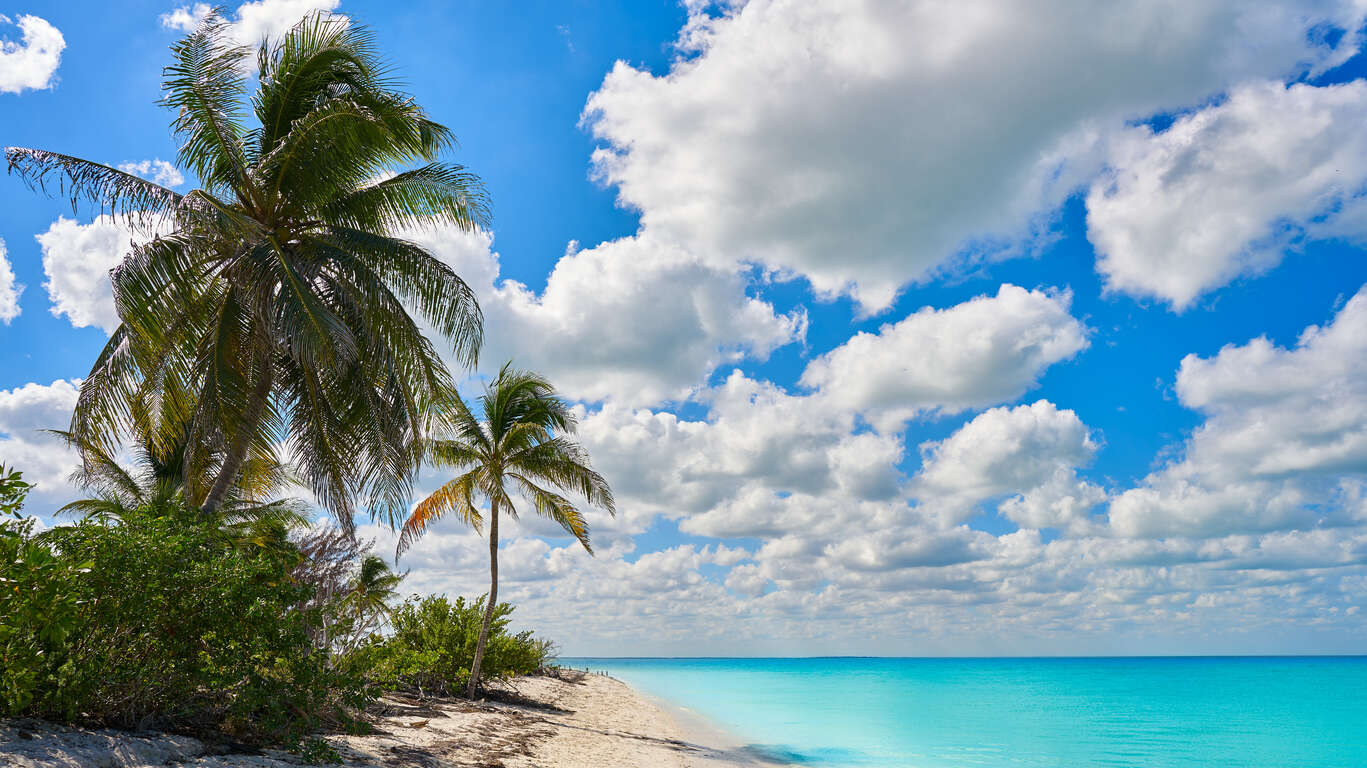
x=1250, y=712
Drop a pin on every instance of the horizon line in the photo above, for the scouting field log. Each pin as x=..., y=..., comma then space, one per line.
x=1306, y=655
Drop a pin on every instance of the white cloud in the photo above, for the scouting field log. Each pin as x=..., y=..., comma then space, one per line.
x=765, y=459
x=10, y=290
x=264, y=19
x=1030, y=452
x=77, y=259
x=926, y=549
x=253, y=21
x=44, y=459
x=1284, y=429
x=985, y=351
x=633, y=319
x=861, y=145
x=186, y=17
x=755, y=436
x=1226, y=190
x=158, y=171
x=32, y=63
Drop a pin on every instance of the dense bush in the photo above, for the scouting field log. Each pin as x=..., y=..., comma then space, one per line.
x=152, y=616
x=37, y=606
x=433, y=645
x=161, y=618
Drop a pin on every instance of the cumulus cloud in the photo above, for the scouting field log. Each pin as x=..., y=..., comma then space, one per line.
x=45, y=460
x=31, y=63
x=755, y=435
x=634, y=320
x=985, y=351
x=927, y=549
x=1226, y=190
x=1284, y=430
x=157, y=170
x=77, y=259
x=765, y=460
x=253, y=21
x=1030, y=452
x=845, y=560
x=862, y=145
x=10, y=289
x=186, y=17
x=264, y=19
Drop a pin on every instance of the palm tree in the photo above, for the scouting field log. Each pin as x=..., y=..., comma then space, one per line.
x=157, y=480
x=276, y=311
x=522, y=443
x=368, y=598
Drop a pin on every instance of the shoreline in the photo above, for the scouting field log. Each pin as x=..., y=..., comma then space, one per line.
x=595, y=722
x=615, y=724
x=701, y=729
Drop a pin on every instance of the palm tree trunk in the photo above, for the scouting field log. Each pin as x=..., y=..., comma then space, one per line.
x=237, y=449
x=488, y=606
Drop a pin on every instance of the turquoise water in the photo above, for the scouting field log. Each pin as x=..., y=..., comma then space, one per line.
x=1301, y=712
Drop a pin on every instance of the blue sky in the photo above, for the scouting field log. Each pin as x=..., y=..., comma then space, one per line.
x=898, y=329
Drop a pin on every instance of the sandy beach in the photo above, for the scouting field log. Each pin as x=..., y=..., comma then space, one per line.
x=598, y=722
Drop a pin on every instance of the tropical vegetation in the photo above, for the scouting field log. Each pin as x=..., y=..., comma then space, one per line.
x=161, y=617
x=274, y=336
x=163, y=620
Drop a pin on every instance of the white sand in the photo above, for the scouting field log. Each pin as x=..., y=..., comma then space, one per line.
x=596, y=723
x=613, y=725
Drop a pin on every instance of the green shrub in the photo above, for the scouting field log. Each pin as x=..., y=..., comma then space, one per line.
x=433, y=645
x=316, y=751
x=38, y=607
x=162, y=618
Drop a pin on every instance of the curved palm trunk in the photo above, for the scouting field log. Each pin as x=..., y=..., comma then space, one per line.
x=237, y=450
x=489, y=605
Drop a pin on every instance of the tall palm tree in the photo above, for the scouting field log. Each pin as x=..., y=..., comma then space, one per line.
x=276, y=311
x=521, y=443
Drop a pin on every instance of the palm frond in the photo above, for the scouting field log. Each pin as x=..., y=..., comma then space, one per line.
x=136, y=200
x=437, y=194
x=321, y=440
x=205, y=86
x=104, y=509
x=430, y=286
x=555, y=507
x=316, y=58
x=99, y=471
x=457, y=495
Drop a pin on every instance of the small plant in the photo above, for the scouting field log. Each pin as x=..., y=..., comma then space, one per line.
x=352, y=589
x=316, y=751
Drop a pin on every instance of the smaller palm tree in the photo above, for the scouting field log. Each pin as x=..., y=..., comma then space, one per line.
x=158, y=478
x=368, y=598
x=522, y=443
